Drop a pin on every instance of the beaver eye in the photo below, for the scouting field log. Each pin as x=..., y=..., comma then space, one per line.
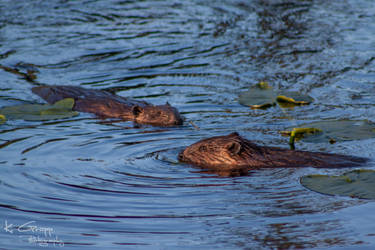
x=137, y=110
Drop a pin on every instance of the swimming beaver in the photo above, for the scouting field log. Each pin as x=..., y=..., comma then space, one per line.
x=108, y=105
x=232, y=152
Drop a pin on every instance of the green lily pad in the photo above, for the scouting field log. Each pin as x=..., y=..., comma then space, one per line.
x=357, y=183
x=41, y=112
x=343, y=130
x=258, y=97
x=262, y=96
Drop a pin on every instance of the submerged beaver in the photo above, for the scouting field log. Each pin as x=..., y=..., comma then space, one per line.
x=232, y=152
x=108, y=105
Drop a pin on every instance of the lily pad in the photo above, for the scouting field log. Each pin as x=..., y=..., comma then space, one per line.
x=298, y=133
x=262, y=96
x=287, y=99
x=41, y=112
x=258, y=97
x=342, y=130
x=2, y=119
x=357, y=183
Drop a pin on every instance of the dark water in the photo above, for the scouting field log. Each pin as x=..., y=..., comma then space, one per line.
x=82, y=183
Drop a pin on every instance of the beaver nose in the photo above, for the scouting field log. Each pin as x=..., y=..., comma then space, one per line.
x=181, y=156
x=179, y=121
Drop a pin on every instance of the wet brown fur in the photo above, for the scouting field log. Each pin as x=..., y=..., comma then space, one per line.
x=232, y=152
x=108, y=105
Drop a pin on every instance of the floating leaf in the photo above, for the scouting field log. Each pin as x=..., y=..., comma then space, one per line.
x=357, y=183
x=291, y=99
x=343, y=130
x=263, y=96
x=263, y=85
x=298, y=133
x=41, y=112
x=258, y=97
x=2, y=119
x=66, y=103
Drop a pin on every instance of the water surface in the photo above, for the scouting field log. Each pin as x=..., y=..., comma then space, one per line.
x=84, y=183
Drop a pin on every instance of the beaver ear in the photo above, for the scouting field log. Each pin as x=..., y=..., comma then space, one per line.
x=136, y=110
x=233, y=147
x=234, y=134
x=167, y=103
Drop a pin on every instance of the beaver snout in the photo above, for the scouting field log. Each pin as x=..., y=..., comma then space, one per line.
x=161, y=115
x=181, y=157
x=179, y=121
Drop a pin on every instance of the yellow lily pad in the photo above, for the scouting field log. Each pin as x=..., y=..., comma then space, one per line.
x=357, y=183
x=299, y=133
x=262, y=96
x=2, y=119
x=41, y=112
x=263, y=85
x=336, y=131
x=292, y=99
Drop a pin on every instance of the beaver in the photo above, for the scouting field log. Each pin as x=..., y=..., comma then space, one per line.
x=102, y=103
x=107, y=105
x=233, y=152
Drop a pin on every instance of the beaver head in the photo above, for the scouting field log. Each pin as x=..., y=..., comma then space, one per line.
x=159, y=115
x=224, y=153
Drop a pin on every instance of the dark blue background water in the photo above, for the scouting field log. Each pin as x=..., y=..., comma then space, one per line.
x=83, y=183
